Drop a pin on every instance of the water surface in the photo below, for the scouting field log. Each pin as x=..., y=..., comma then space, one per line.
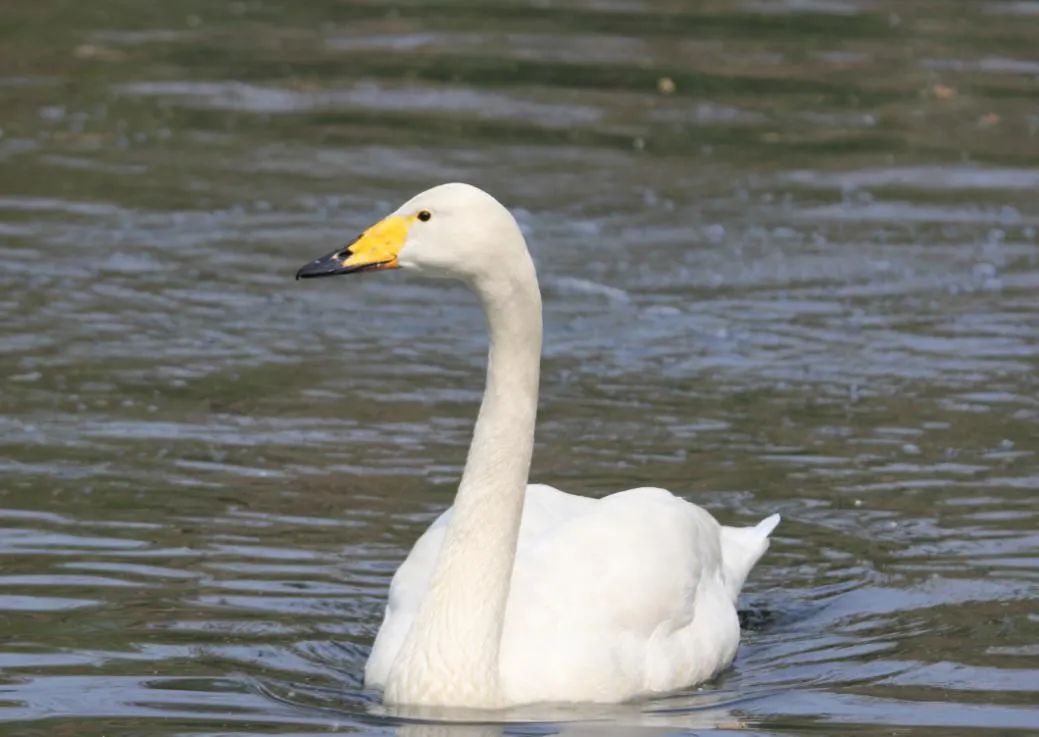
x=790, y=262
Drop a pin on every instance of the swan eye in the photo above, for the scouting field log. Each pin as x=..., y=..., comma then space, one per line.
x=425, y=215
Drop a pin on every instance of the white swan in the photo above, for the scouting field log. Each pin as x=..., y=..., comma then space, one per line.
x=521, y=594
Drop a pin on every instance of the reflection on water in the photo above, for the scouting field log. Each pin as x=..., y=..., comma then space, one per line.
x=789, y=254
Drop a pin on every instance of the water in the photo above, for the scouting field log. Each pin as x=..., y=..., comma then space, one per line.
x=790, y=261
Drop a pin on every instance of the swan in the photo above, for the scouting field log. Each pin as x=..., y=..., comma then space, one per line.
x=522, y=593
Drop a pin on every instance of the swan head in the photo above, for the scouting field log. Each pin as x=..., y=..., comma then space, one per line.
x=452, y=230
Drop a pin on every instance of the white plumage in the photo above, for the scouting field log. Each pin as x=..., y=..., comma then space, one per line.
x=523, y=593
x=630, y=594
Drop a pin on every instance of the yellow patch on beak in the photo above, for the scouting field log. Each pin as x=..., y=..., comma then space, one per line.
x=374, y=250
x=379, y=246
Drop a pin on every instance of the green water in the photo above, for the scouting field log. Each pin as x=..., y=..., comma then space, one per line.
x=790, y=263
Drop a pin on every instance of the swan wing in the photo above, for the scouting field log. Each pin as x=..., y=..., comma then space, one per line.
x=623, y=598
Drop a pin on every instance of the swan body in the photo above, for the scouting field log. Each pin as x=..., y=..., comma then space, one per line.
x=523, y=593
x=610, y=598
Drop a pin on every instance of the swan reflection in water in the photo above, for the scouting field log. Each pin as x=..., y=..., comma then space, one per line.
x=615, y=720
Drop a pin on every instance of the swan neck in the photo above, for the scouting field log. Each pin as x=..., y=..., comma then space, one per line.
x=500, y=452
x=460, y=622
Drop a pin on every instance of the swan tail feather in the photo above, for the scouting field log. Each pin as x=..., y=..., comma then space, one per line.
x=742, y=547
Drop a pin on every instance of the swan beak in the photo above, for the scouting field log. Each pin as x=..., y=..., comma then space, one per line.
x=376, y=249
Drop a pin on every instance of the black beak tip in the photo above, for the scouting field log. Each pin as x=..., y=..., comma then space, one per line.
x=328, y=265
x=318, y=267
